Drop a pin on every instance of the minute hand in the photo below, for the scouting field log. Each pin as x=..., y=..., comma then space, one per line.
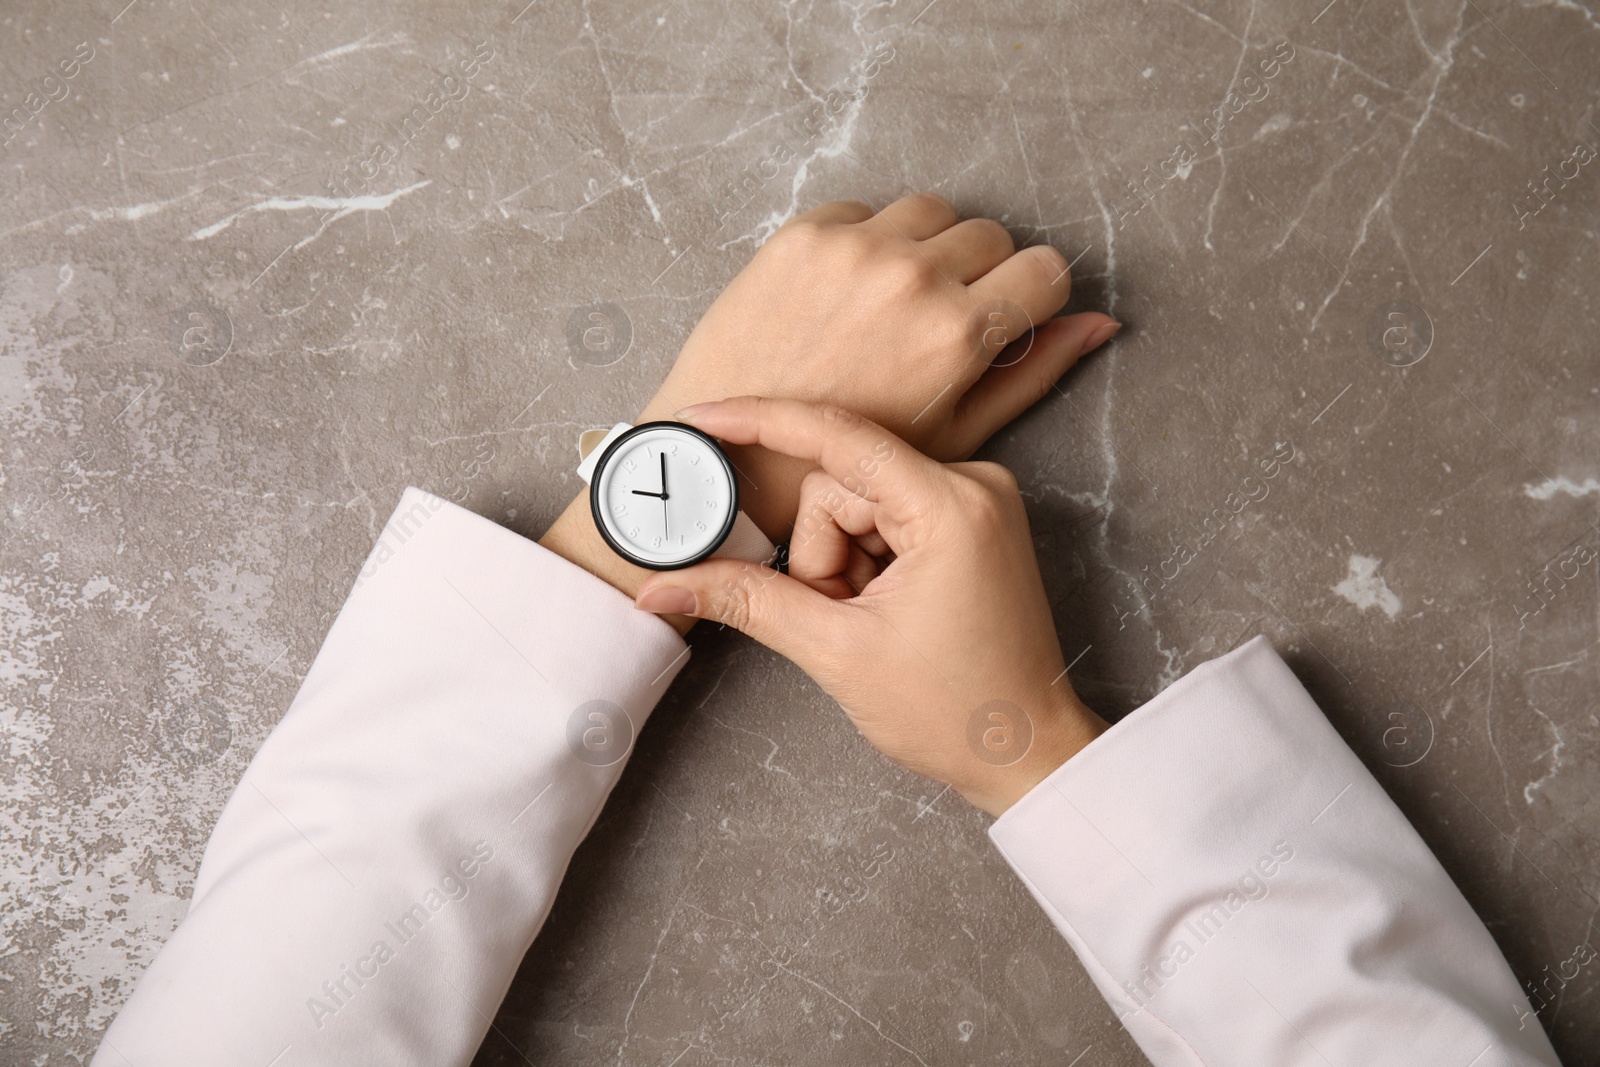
x=666, y=525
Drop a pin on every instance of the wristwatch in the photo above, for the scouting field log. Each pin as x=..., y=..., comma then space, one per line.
x=664, y=496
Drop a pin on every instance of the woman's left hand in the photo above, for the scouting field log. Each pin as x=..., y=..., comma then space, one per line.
x=906, y=316
x=899, y=316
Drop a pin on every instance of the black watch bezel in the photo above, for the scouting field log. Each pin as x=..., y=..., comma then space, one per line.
x=595, y=510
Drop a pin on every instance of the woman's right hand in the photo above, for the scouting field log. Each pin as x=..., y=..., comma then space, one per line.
x=913, y=598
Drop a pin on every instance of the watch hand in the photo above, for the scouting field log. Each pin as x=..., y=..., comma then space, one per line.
x=663, y=475
x=665, y=528
x=641, y=492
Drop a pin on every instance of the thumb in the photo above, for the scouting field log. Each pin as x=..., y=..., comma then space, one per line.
x=782, y=613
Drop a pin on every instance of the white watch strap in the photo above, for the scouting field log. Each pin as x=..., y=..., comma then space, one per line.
x=745, y=541
x=592, y=456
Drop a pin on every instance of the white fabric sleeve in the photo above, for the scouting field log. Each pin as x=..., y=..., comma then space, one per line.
x=378, y=875
x=1243, y=892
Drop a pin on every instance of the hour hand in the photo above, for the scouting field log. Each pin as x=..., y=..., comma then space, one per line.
x=641, y=492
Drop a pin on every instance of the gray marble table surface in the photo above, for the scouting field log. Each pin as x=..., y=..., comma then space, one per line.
x=263, y=265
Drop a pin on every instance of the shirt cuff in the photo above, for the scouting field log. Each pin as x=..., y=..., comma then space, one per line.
x=1243, y=891
x=376, y=878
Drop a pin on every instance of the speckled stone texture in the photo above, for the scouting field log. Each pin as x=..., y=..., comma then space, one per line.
x=264, y=265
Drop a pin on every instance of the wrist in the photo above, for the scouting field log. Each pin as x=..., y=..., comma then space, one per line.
x=1061, y=727
x=574, y=538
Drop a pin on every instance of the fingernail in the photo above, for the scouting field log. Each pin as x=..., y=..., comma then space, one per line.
x=667, y=600
x=1101, y=336
x=688, y=413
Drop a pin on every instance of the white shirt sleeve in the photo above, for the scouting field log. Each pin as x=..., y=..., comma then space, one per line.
x=378, y=875
x=1239, y=887
x=1243, y=892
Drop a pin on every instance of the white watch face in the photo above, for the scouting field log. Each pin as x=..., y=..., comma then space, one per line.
x=664, y=495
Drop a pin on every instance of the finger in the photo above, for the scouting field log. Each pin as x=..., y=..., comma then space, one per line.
x=835, y=211
x=820, y=547
x=1013, y=385
x=874, y=545
x=1036, y=279
x=917, y=217
x=995, y=326
x=819, y=552
x=862, y=456
x=860, y=569
x=798, y=623
x=969, y=250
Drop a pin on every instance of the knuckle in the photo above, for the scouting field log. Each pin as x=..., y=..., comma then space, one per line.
x=767, y=410
x=1043, y=382
x=797, y=237
x=989, y=514
x=815, y=486
x=931, y=202
x=909, y=272
x=988, y=497
x=820, y=497
x=960, y=331
x=735, y=603
x=1047, y=263
x=840, y=252
x=762, y=604
x=996, y=477
x=838, y=421
x=992, y=233
x=993, y=324
x=797, y=230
